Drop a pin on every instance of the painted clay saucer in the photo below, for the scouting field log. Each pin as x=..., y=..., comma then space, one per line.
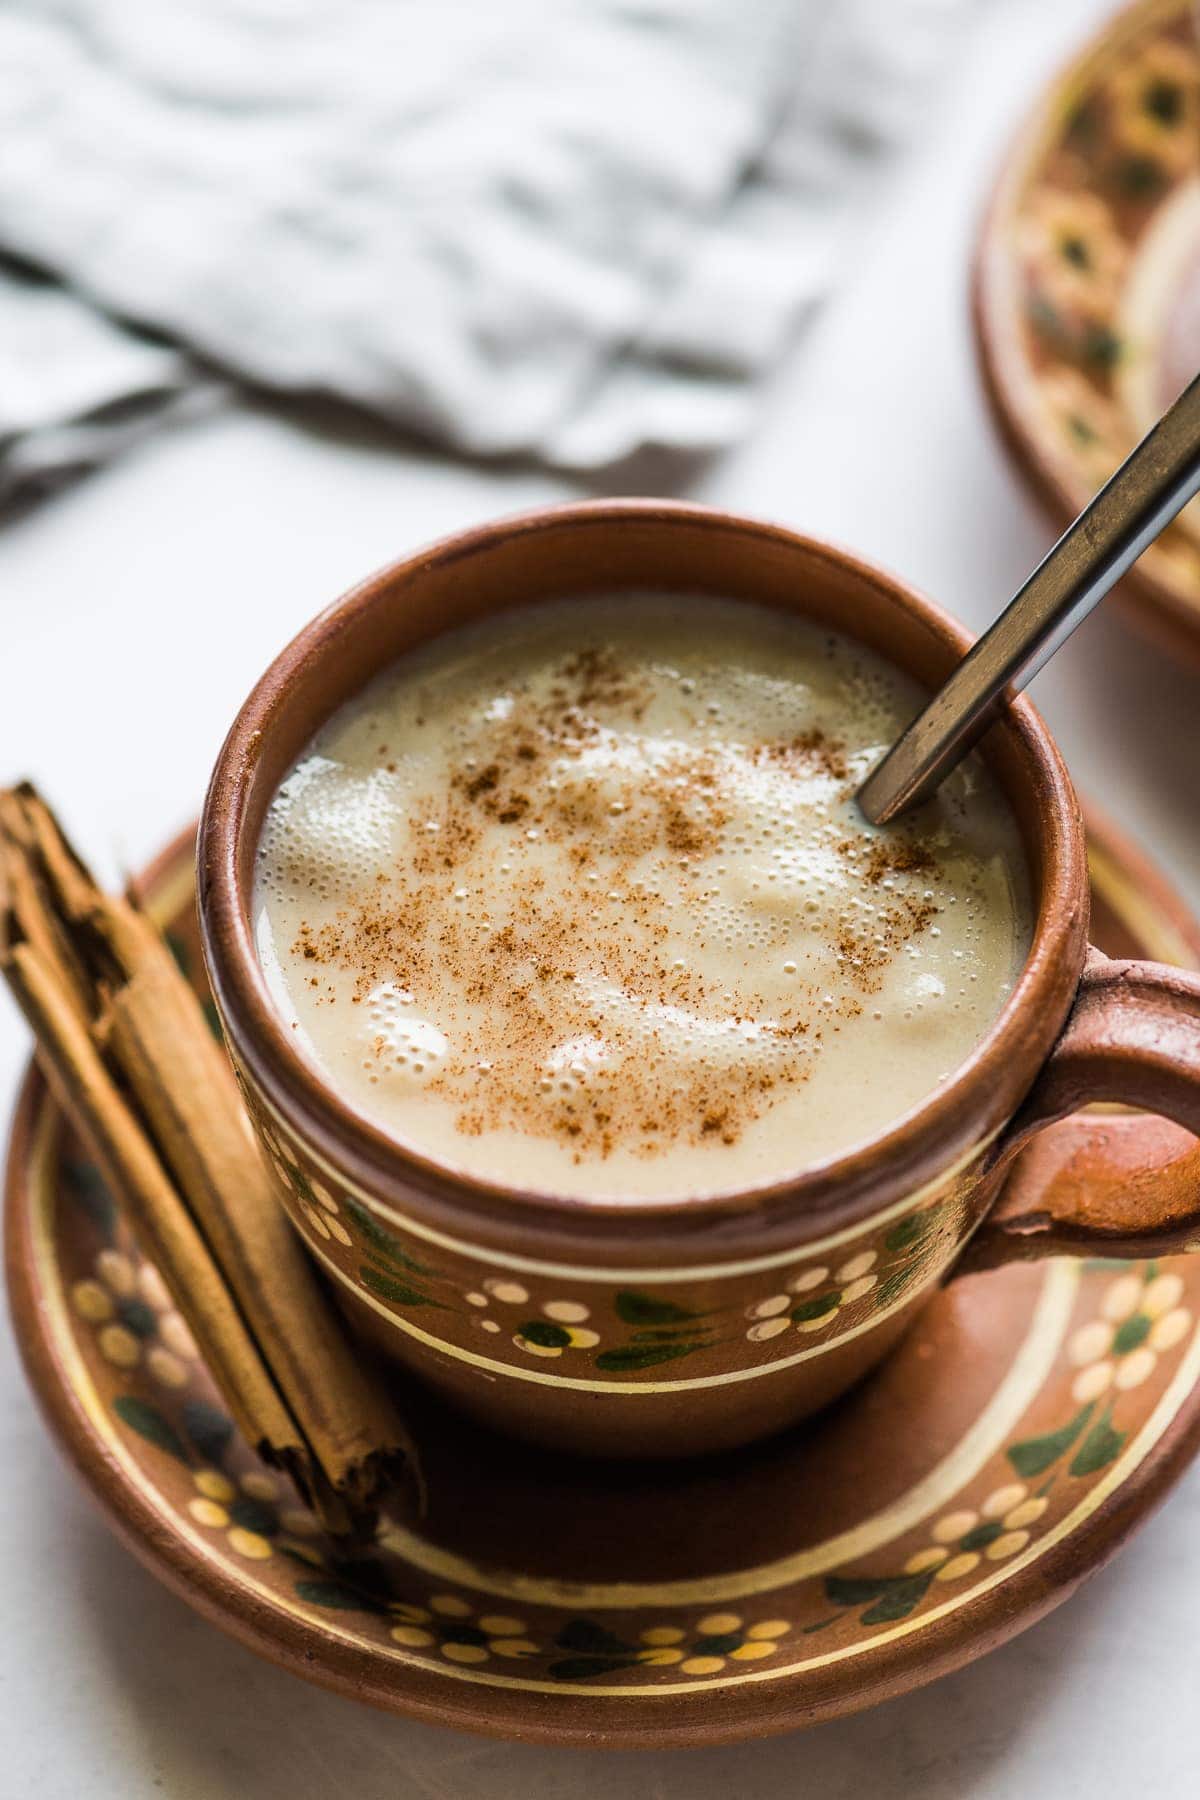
x=1087, y=283
x=1028, y=1423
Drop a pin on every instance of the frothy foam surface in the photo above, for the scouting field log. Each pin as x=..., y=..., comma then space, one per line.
x=580, y=899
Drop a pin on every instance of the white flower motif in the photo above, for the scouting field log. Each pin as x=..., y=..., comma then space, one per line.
x=509, y=1293
x=808, y=1279
x=1161, y=1295
x=767, y=1328
x=962, y=1539
x=566, y=1312
x=1122, y=1298
x=768, y=1308
x=1090, y=1342
x=857, y=1266
x=1141, y=1319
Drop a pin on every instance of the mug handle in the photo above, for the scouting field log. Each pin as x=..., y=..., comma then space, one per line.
x=1106, y=1183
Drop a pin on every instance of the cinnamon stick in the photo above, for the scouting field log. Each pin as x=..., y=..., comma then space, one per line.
x=129, y=1056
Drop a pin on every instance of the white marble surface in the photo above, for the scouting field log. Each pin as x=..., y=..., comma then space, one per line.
x=111, y=1689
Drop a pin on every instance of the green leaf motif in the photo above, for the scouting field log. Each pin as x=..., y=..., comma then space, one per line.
x=1101, y=1445
x=1140, y=177
x=149, y=1423
x=1044, y=319
x=458, y=1633
x=1032, y=1455
x=542, y=1332
x=1130, y=1333
x=581, y=1668
x=893, y=1285
x=645, y=1356
x=856, y=1590
x=301, y=1183
x=1101, y=347
x=254, y=1515
x=208, y=1428
x=911, y=1230
x=379, y=1237
x=816, y=1309
x=982, y=1535
x=720, y=1644
x=388, y=1288
x=589, y=1639
x=293, y=1555
x=370, y=1578
x=90, y=1193
x=137, y=1317
x=333, y=1595
x=643, y=1309
x=886, y=1597
x=906, y=1593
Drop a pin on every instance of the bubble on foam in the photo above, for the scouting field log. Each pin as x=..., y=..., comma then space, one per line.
x=329, y=829
x=400, y=1045
x=926, y=987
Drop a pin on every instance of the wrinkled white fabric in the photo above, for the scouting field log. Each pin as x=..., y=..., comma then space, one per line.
x=564, y=228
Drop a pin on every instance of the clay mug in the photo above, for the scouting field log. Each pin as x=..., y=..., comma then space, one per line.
x=652, y=1327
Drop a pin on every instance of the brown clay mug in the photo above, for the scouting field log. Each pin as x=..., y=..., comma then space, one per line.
x=663, y=1327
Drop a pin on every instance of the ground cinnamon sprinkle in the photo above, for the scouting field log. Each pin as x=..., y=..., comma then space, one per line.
x=896, y=856
x=537, y=1046
x=814, y=748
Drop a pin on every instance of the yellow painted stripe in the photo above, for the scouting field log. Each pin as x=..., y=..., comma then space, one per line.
x=1029, y=1369
x=586, y=1384
x=1168, y=1407
x=43, y=1193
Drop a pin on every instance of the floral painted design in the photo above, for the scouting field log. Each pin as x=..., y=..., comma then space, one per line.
x=623, y=1331
x=1081, y=416
x=1120, y=1343
x=123, y=1298
x=805, y=1310
x=912, y=1252
x=1122, y=143
x=1154, y=111
x=136, y=1322
x=1075, y=253
x=458, y=1629
x=561, y=1328
x=1139, y=1320
x=959, y=1542
x=1115, y=1353
x=461, y=1632
x=251, y=1513
x=706, y=1646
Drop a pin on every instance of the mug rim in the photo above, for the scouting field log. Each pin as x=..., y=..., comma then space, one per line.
x=921, y=1144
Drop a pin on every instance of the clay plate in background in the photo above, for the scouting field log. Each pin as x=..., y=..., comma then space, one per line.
x=1031, y=1420
x=1087, y=285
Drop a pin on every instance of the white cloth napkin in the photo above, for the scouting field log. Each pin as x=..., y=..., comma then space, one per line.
x=559, y=228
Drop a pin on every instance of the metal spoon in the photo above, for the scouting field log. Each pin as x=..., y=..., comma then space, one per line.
x=1153, y=483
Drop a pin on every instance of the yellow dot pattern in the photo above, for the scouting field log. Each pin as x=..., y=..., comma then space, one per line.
x=214, y=1485
x=1146, y=1315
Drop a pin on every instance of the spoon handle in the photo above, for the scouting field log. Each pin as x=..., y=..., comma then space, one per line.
x=1154, y=482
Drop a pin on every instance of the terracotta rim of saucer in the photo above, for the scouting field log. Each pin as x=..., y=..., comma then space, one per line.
x=974, y=1103
x=989, y=1541
x=1017, y=355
